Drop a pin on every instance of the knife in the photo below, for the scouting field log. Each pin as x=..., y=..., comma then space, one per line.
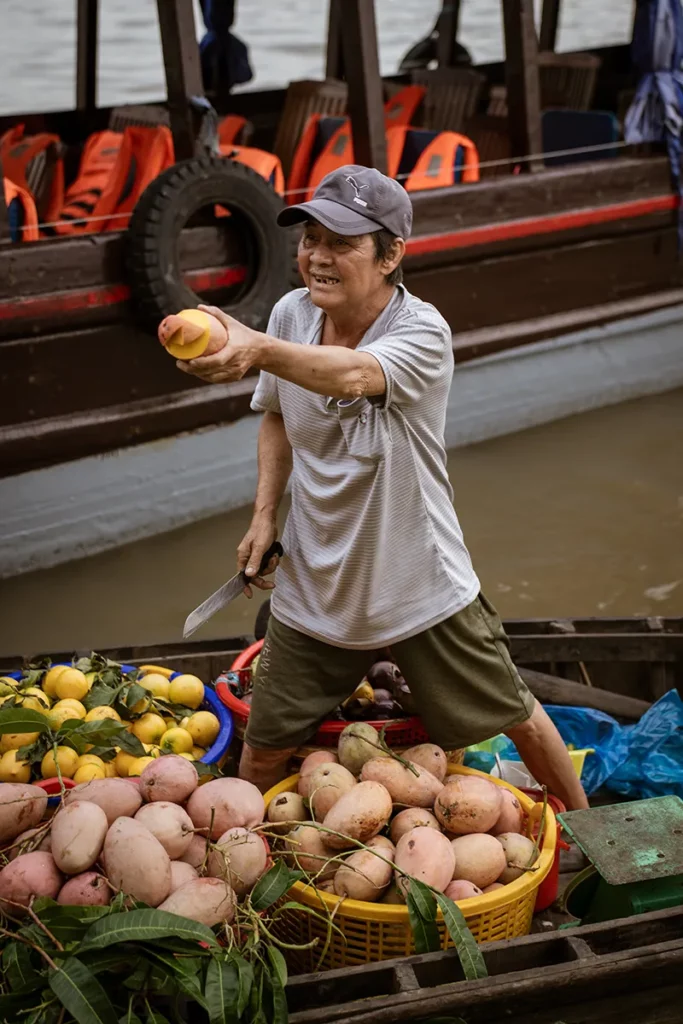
x=227, y=593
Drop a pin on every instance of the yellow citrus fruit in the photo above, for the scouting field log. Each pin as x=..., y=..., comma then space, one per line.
x=109, y=770
x=203, y=727
x=152, y=750
x=104, y=711
x=198, y=752
x=12, y=770
x=170, y=722
x=149, y=728
x=34, y=699
x=50, y=680
x=64, y=710
x=71, y=683
x=87, y=772
x=8, y=687
x=138, y=766
x=90, y=759
x=14, y=740
x=5, y=697
x=187, y=756
x=176, y=741
x=157, y=684
x=67, y=759
x=122, y=763
x=91, y=677
x=187, y=690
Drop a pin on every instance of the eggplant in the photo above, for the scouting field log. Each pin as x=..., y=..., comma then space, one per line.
x=385, y=675
x=382, y=696
x=406, y=699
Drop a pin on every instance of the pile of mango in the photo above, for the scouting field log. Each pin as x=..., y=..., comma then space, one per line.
x=162, y=712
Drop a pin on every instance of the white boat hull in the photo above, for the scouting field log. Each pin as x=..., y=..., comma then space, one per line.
x=81, y=508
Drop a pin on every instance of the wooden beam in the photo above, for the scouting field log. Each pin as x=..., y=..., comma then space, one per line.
x=550, y=20
x=522, y=80
x=86, y=55
x=334, y=62
x=361, y=63
x=553, y=690
x=183, y=72
x=447, y=27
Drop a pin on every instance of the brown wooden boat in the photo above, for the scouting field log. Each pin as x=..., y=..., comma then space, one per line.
x=546, y=268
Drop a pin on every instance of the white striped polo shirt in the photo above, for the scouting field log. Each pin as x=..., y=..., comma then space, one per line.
x=374, y=552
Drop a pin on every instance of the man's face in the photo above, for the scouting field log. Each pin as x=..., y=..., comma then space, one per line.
x=341, y=271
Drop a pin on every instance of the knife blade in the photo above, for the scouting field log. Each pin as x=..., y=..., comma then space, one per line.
x=225, y=594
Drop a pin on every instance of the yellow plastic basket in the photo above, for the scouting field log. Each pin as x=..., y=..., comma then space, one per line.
x=376, y=931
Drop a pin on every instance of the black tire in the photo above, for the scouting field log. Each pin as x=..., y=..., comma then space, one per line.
x=165, y=208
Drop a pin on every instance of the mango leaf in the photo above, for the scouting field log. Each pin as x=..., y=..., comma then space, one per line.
x=17, y=968
x=69, y=923
x=142, y=926
x=183, y=970
x=279, y=1013
x=12, y=1005
x=130, y=1018
x=278, y=964
x=468, y=951
x=422, y=916
x=274, y=884
x=246, y=980
x=221, y=992
x=22, y=720
x=81, y=994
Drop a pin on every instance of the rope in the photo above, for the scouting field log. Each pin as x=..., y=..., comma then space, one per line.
x=512, y=160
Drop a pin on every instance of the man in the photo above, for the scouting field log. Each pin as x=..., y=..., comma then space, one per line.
x=355, y=376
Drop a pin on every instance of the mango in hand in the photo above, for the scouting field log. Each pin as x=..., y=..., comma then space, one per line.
x=192, y=333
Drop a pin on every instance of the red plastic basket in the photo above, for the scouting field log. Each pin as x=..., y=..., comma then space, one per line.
x=399, y=732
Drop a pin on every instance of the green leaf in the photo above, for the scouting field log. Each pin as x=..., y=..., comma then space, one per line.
x=468, y=951
x=22, y=720
x=274, y=884
x=81, y=994
x=422, y=916
x=69, y=923
x=279, y=1000
x=278, y=964
x=135, y=693
x=184, y=972
x=130, y=744
x=130, y=1018
x=143, y=925
x=221, y=992
x=12, y=1005
x=246, y=980
x=17, y=969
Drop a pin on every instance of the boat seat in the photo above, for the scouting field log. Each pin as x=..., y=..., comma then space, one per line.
x=452, y=96
x=490, y=136
x=576, y=129
x=302, y=99
x=567, y=80
x=144, y=115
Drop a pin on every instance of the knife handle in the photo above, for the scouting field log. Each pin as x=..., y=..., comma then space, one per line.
x=274, y=549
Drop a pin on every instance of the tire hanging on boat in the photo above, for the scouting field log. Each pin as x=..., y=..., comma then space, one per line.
x=164, y=209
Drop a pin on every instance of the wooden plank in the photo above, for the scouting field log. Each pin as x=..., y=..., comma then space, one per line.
x=334, y=57
x=365, y=103
x=553, y=690
x=527, y=650
x=447, y=27
x=550, y=20
x=183, y=71
x=522, y=81
x=86, y=55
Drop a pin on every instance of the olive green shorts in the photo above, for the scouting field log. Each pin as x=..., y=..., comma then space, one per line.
x=460, y=674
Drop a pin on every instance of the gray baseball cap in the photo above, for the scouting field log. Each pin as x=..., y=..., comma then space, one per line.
x=355, y=200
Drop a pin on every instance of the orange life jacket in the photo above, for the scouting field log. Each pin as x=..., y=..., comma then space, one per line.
x=17, y=155
x=229, y=128
x=115, y=169
x=448, y=159
x=265, y=164
x=400, y=109
x=22, y=213
x=339, y=151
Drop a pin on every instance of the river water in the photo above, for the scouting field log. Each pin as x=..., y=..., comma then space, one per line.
x=579, y=517
x=285, y=40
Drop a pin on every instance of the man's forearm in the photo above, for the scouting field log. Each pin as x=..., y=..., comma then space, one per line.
x=274, y=465
x=325, y=369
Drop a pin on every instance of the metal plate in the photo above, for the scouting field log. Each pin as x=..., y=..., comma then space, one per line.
x=631, y=842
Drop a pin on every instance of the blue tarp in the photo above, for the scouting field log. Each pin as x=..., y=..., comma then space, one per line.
x=656, y=113
x=638, y=761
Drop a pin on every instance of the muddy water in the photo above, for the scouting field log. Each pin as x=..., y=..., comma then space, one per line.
x=579, y=517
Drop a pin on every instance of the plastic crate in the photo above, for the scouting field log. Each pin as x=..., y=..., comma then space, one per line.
x=375, y=931
x=399, y=732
